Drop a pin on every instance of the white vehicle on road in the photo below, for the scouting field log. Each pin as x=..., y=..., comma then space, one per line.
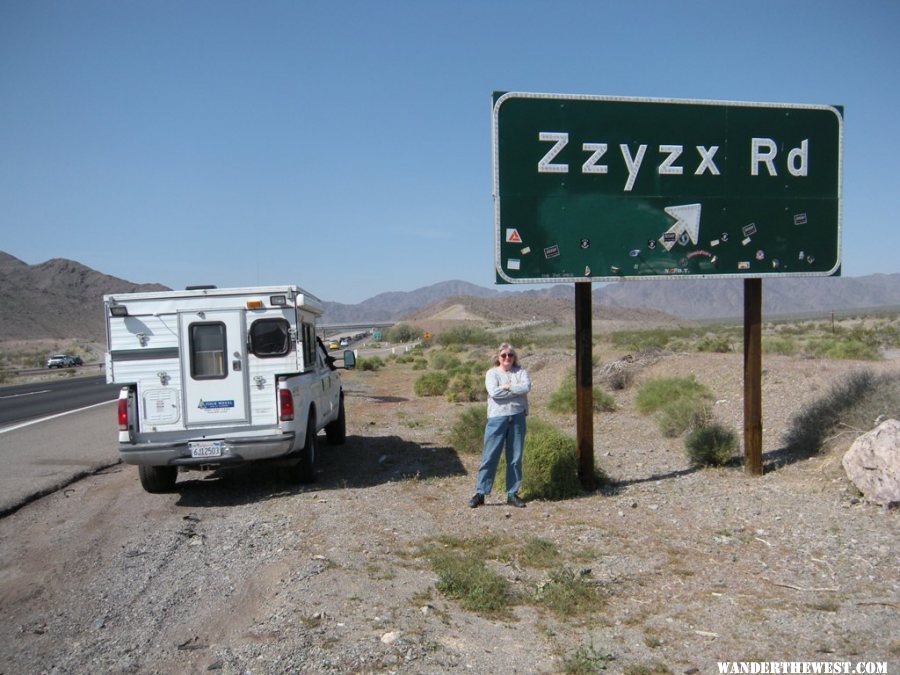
x=220, y=376
x=60, y=361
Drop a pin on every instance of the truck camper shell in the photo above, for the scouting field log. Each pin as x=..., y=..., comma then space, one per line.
x=216, y=376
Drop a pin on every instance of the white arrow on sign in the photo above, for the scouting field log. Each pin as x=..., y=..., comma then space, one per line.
x=687, y=220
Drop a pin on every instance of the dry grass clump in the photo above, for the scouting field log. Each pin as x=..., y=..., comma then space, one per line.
x=713, y=445
x=679, y=403
x=563, y=400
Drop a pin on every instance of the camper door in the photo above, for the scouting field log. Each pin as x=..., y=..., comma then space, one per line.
x=214, y=367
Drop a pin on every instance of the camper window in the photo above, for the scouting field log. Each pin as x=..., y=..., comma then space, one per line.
x=309, y=346
x=270, y=337
x=208, y=351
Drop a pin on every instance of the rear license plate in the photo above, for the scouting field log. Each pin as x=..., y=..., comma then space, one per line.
x=202, y=449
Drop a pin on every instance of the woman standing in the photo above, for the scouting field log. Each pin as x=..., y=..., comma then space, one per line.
x=507, y=385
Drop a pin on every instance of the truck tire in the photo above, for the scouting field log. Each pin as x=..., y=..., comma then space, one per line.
x=336, y=432
x=305, y=470
x=158, y=479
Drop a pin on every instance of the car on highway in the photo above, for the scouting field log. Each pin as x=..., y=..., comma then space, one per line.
x=60, y=361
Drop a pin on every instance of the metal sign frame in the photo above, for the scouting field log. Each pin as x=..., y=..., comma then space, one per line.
x=603, y=188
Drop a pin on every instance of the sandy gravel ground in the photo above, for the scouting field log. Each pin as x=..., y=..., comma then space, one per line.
x=240, y=571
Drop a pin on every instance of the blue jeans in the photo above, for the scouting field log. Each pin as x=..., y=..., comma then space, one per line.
x=508, y=430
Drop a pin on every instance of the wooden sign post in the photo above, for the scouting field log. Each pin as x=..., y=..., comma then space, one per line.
x=584, y=385
x=753, y=376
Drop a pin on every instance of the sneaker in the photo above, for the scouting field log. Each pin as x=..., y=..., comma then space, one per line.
x=513, y=500
x=477, y=500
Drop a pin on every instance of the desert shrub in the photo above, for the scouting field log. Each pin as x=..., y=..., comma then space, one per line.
x=467, y=433
x=683, y=414
x=563, y=400
x=539, y=552
x=420, y=363
x=711, y=445
x=370, y=363
x=638, y=340
x=466, y=335
x=680, y=404
x=656, y=394
x=889, y=335
x=714, y=343
x=880, y=335
x=587, y=660
x=431, y=384
x=844, y=349
x=855, y=403
x=443, y=360
x=549, y=464
x=403, y=332
x=569, y=592
x=677, y=344
x=779, y=345
x=477, y=368
x=465, y=387
x=683, y=339
x=466, y=578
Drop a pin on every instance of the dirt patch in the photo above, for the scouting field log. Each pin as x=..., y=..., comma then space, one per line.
x=242, y=571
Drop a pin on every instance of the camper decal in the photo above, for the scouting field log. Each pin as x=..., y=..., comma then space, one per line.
x=215, y=405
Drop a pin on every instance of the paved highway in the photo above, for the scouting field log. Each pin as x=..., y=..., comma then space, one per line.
x=40, y=458
x=24, y=402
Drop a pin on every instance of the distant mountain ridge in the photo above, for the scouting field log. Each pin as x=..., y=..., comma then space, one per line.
x=724, y=298
x=695, y=299
x=399, y=304
x=61, y=299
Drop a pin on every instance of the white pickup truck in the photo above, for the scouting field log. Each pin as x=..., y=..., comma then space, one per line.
x=221, y=376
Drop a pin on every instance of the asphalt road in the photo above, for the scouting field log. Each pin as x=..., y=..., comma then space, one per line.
x=24, y=402
x=41, y=458
x=52, y=433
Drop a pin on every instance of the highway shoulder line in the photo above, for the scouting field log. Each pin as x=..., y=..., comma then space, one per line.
x=51, y=417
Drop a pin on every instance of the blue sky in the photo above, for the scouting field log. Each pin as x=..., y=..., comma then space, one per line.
x=346, y=146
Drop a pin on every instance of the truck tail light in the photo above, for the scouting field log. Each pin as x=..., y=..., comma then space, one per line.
x=123, y=414
x=285, y=405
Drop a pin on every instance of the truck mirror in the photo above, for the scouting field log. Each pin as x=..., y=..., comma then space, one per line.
x=349, y=359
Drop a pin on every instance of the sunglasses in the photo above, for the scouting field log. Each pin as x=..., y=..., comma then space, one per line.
x=507, y=356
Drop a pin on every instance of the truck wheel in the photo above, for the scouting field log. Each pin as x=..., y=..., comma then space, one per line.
x=336, y=432
x=157, y=479
x=305, y=470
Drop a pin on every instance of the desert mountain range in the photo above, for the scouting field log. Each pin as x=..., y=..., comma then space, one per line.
x=61, y=298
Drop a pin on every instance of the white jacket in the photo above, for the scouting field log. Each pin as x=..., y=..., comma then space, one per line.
x=503, y=402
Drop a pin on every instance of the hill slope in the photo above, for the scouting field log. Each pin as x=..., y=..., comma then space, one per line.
x=56, y=299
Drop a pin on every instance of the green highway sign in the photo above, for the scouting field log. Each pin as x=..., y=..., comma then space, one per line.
x=594, y=188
